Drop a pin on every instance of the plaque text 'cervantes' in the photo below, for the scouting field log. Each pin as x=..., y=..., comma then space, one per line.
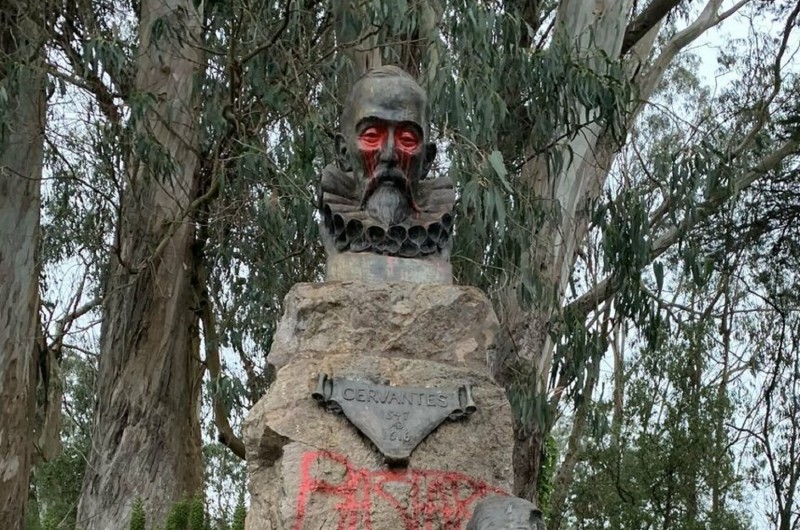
x=396, y=419
x=396, y=396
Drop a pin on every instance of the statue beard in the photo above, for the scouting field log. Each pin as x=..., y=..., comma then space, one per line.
x=388, y=204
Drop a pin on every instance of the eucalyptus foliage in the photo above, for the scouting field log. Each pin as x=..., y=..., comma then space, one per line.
x=508, y=92
x=687, y=382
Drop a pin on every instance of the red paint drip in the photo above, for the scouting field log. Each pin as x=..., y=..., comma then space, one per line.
x=435, y=497
x=370, y=142
x=405, y=160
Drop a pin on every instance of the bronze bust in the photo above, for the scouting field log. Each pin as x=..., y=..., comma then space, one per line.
x=380, y=201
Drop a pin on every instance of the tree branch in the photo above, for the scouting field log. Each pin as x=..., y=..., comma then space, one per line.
x=646, y=21
x=211, y=194
x=226, y=434
x=92, y=83
x=604, y=290
x=275, y=36
x=763, y=108
x=63, y=324
x=707, y=19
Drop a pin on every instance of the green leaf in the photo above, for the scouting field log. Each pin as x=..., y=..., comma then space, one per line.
x=658, y=270
x=496, y=161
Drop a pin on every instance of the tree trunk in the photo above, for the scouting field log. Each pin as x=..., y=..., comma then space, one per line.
x=146, y=435
x=591, y=25
x=22, y=118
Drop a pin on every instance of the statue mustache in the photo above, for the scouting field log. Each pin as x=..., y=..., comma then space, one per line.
x=391, y=173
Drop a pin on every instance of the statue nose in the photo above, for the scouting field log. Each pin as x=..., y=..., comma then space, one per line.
x=387, y=151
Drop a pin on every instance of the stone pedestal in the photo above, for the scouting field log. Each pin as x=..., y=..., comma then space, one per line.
x=310, y=468
x=366, y=267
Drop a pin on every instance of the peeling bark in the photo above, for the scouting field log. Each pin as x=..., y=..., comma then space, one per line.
x=146, y=435
x=649, y=18
x=21, y=155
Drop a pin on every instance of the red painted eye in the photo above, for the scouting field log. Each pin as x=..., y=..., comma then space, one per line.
x=407, y=139
x=371, y=138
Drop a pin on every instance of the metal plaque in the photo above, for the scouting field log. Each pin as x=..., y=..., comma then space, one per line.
x=395, y=418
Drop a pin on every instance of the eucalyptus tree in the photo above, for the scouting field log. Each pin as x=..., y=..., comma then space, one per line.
x=772, y=429
x=665, y=447
x=658, y=452
x=768, y=326
x=537, y=101
x=208, y=124
x=146, y=434
x=22, y=119
x=177, y=102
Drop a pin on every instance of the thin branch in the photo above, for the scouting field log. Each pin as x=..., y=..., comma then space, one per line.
x=74, y=175
x=226, y=434
x=271, y=42
x=604, y=290
x=763, y=110
x=64, y=323
x=547, y=32
x=92, y=83
x=707, y=19
x=211, y=194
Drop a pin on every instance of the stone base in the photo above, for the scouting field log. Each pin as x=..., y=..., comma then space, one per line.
x=309, y=468
x=446, y=323
x=368, y=267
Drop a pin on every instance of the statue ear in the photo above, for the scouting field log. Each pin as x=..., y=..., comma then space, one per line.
x=427, y=161
x=340, y=144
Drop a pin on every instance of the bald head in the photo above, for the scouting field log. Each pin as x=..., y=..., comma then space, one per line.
x=386, y=93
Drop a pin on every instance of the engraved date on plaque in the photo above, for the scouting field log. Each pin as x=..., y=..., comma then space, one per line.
x=397, y=431
x=396, y=419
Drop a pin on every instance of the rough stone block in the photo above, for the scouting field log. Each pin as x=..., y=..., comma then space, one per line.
x=445, y=323
x=310, y=468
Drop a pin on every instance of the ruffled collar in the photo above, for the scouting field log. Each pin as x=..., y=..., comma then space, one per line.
x=348, y=227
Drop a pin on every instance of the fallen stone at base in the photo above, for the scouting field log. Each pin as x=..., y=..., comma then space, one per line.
x=309, y=468
x=506, y=513
x=444, y=323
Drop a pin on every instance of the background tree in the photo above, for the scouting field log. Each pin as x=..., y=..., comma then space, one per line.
x=187, y=141
x=146, y=434
x=684, y=392
x=22, y=117
x=146, y=165
x=772, y=431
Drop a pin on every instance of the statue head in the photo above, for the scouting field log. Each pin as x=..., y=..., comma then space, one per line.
x=385, y=139
x=380, y=200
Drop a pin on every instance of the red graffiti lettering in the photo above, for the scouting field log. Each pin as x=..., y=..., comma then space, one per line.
x=432, y=499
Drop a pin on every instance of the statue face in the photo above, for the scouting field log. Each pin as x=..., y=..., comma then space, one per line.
x=389, y=153
x=384, y=131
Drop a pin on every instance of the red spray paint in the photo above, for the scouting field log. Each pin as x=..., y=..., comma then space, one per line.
x=445, y=498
